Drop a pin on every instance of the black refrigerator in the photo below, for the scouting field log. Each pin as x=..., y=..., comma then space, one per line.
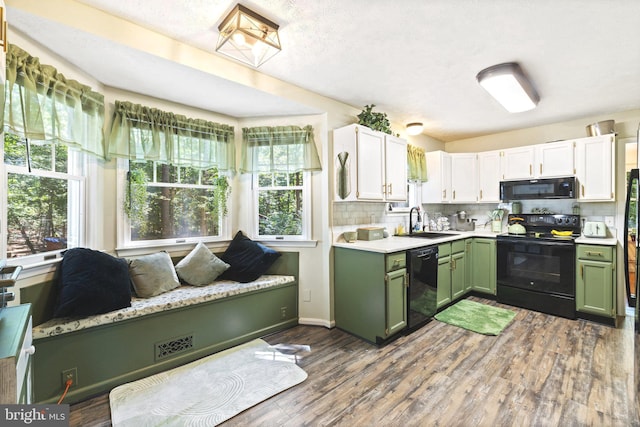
x=631, y=237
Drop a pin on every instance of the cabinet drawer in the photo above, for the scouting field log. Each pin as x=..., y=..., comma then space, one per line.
x=595, y=252
x=457, y=246
x=396, y=261
x=444, y=250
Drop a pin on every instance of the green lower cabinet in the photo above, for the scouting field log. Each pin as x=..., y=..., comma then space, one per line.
x=468, y=265
x=396, y=306
x=444, y=278
x=595, y=280
x=370, y=293
x=484, y=267
x=451, y=272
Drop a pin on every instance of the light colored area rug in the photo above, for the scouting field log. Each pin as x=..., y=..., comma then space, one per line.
x=477, y=317
x=208, y=391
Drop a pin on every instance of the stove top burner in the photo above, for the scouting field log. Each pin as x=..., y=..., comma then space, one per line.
x=540, y=226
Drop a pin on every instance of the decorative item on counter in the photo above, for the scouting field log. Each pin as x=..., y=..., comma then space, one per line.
x=370, y=233
x=516, y=207
x=350, y=236
x=399, y=229
x=576, y=209
x=496, y=220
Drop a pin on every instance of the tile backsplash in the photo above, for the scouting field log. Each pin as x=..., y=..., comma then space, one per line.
x=348, y=214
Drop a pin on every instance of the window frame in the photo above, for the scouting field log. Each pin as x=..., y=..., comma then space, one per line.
x=124, y=240
x=76, y=206
x=307, y=209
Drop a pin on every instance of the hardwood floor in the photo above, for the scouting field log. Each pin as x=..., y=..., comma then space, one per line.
x=541, y=371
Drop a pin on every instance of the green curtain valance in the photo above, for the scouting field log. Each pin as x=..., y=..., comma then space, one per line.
x=144, y=133
x=285, y=149
x=417, y=162
x=42, y=105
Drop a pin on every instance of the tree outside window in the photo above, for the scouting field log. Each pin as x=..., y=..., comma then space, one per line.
x=280, y=204
x=43, y=205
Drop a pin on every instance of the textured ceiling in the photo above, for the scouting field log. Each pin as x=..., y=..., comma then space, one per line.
x=415, y=59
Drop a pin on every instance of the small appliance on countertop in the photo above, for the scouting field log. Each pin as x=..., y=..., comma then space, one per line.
x=595, y=229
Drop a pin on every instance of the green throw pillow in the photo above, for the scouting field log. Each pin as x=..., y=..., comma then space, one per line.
x=200, y=267
x=153, y=274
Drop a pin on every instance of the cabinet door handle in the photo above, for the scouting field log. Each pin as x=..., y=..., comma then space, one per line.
x=444, y=194
x=581, y=270
x=540, y=168
x=594, y=253
x=390, y=189
x=384, y=189
x=530, y=170
x=454, y=194
x=582, y=188
x=480, y=194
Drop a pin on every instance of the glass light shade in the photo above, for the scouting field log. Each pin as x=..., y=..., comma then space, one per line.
x=248, y=37
x=414, y=128
x=508, y=84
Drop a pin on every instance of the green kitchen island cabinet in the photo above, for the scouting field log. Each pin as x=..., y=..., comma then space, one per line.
x=452, y=273
x=484, y=268
x=595, y=281
x=370, y=293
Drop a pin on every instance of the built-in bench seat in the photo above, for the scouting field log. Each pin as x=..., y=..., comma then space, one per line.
x=157, y=333
x=182, y=296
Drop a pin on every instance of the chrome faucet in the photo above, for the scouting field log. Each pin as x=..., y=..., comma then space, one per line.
x=417, y=209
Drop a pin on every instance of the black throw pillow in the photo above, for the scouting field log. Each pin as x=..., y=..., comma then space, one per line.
x=91, y=282
x=248, y=259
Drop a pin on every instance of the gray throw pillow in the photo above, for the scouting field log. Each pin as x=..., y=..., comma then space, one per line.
x=153, y=274
x=200, y=267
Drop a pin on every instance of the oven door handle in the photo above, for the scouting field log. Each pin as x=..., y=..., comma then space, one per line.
x=536, y=242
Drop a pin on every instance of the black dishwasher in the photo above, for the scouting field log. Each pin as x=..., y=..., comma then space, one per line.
x=422, y=264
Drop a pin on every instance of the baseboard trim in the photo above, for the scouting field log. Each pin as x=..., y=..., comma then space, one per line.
x=316, y=322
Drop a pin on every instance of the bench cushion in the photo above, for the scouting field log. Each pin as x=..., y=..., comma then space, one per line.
x=182, y=296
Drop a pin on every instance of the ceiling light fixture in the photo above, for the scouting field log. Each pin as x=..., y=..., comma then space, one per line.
x=509, y=85
x=248, y=37
x=414, y=128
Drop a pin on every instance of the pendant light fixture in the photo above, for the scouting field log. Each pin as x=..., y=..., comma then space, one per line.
x=414, y=128
x=509, y=85
x=248, y=37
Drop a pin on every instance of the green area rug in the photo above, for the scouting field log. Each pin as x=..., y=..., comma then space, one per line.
x=208, y=391
x=477, y=317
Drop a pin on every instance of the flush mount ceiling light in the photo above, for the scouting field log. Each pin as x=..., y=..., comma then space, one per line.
x=248, y=37
x=414, y=128
x=509, y=85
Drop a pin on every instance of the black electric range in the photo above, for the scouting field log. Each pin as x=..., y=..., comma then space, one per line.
x=536, y=270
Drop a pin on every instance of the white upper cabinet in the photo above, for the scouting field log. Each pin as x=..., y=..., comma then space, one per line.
x=517, y=163
x=464, y=177
x=437, y=188
x=395, y=168
x=368, y=165
x=595, y=167
x=370, y=158
x=489, y=175
x=554, y=159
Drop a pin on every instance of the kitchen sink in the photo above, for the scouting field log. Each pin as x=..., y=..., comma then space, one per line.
x=428, y=234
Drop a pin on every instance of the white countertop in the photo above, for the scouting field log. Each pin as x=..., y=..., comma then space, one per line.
x=398, y=243
x=603, y=241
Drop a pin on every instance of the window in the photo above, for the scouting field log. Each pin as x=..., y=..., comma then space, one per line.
x=173, y=203
x=282, y=204
x=44, y=206
x=281, y=160
x=172, y=175
x=52, y=124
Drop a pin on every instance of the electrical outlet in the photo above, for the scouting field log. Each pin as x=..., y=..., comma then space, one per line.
x=306, y=295
x=70, y=374
x=283, y=312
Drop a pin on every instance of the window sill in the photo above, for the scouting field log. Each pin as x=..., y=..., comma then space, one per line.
x=277, y=243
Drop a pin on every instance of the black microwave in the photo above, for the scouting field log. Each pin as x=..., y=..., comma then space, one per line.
x=531, y=189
